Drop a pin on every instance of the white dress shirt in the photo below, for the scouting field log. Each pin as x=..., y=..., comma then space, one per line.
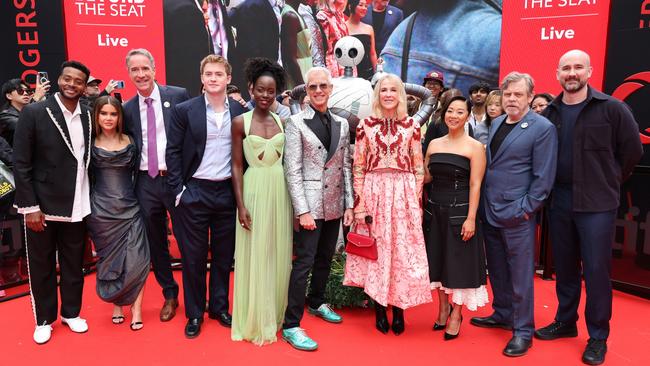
x=161, y=137
x=215, y=164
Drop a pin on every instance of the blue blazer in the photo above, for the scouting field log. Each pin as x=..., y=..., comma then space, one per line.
x=519, y=177
x=186, y=140
x=394, y=16
x=170, y=96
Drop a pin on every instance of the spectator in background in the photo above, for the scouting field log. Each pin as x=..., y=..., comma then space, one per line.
x=384, y=19
x=493, y=107
x=356, y=10
x=295, y=44
x=16, y=95
x=258, y=24
x=189, y=36
x=332, y=20
x=308, y=10
x=478, y=93
x=540, y=101
x=93, y=92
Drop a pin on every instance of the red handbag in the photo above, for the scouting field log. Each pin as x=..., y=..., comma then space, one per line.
x=361, y=244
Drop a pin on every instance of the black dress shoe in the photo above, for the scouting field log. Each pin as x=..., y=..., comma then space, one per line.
x=517, y=346
x=224, y=319
x=449, y=336
x=489, y=322
x=398, y=320
x=193, y=327
x=557, y=330
x=595, y=352
x=381, y=321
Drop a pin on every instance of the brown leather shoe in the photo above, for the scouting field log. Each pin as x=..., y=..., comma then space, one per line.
x=168, y=310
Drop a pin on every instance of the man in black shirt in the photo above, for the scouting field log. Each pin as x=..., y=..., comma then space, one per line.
x=384, y=19
x=598, y=148
x=521, y=161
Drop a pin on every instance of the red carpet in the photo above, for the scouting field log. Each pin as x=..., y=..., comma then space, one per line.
x=354, y=342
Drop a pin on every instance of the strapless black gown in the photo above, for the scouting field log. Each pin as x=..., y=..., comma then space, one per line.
x=453, y=262
x=117, y=227
x=364, y=68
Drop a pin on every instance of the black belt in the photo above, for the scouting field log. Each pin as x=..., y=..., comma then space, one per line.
x=161, y=173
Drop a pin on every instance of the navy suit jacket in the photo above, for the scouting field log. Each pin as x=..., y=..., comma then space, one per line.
x=519, y=177
x=394, y=16
x=169, y=95
x=186, y=140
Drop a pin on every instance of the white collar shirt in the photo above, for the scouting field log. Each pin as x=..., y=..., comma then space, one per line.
x=215, y=164
x=161, y=136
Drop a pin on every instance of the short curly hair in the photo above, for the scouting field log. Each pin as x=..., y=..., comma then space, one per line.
x=258, y=66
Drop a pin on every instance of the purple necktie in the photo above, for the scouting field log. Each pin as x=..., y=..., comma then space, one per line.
x=152, y=143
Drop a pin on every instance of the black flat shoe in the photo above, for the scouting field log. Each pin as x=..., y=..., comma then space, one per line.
x=517, y=346
x=136, y=326
x=224, y=319
x=595, y=352
x=489, y=322
x=557, y=330
x=437, y=326
x=381, y=321
x=193, y=327
x=398, y=320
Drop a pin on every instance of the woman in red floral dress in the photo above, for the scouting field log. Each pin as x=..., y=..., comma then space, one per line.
x=388, y=173
x=332, y=20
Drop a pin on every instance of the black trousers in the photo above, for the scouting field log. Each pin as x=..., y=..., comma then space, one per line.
x=205, y=219
x=314, y=250
x=68, y=239
x=582, y=247
x=156, y=200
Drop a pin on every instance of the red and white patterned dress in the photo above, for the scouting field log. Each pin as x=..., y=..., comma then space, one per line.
x=335, y=28
x=388, y=173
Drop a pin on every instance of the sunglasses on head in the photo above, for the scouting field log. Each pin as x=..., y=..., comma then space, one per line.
x=314, y=87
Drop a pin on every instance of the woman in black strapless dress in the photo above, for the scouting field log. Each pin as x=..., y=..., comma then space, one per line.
x=115, y=224
x=455, y=165
x=355, y=10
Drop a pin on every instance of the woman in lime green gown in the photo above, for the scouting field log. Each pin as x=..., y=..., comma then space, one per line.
x=263, y=238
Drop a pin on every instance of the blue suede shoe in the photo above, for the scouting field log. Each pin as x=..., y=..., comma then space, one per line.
x=297, y=338
x=325, y=311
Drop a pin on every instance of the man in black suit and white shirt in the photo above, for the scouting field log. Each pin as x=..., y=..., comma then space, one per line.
x=51, y=155
x=146, y=119
x=198, y=158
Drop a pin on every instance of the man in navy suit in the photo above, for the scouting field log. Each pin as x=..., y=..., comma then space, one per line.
x=521, y=163
x=198, y=158
x=146, y=119
x=384, y=19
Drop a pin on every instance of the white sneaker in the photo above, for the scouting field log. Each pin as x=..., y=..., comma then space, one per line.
x=42, y=333
x=76, y=325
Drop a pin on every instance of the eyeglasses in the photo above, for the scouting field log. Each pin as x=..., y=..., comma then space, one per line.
x=314, y=87
x=24, y=91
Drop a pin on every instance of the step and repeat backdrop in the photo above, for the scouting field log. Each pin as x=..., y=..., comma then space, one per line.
x=473, y=40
